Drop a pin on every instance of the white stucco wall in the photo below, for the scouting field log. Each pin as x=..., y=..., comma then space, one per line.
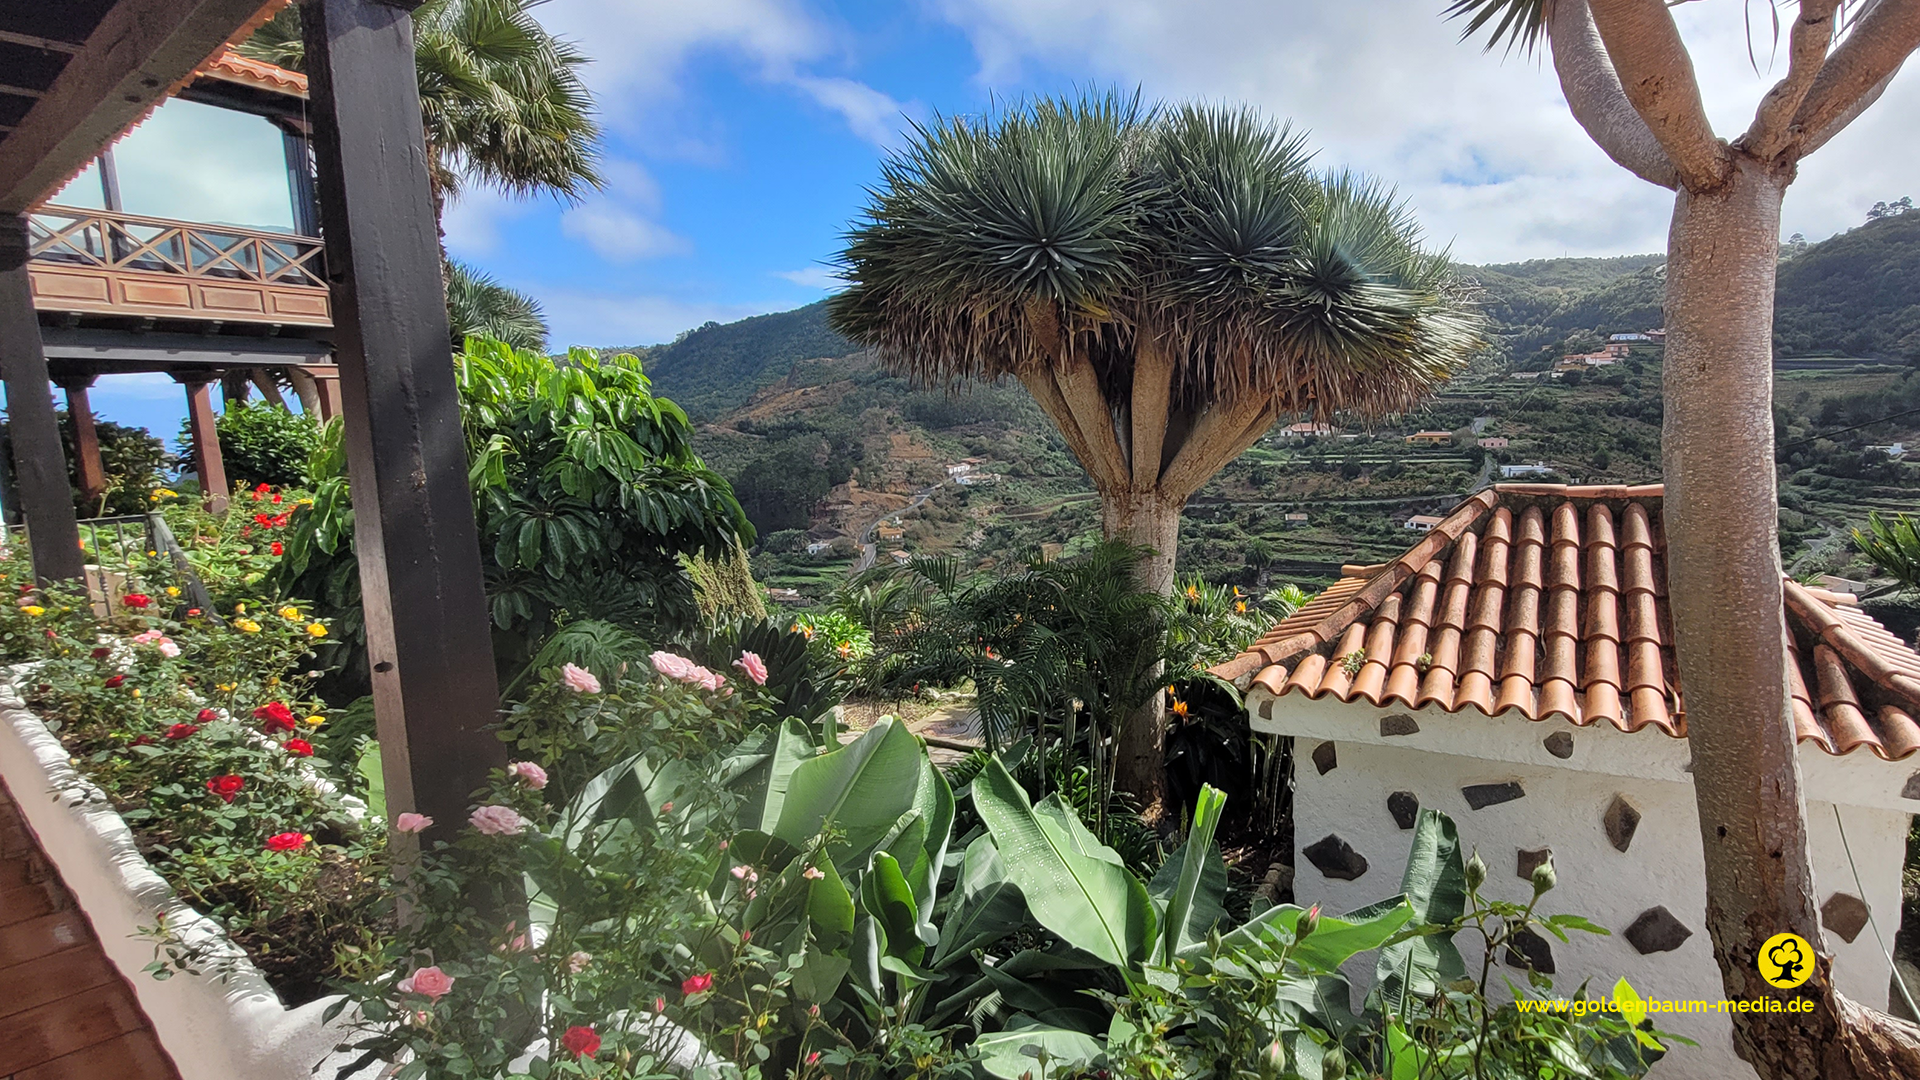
x=1563, y=809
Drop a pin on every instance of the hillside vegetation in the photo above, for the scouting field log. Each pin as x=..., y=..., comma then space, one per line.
x=821, y=445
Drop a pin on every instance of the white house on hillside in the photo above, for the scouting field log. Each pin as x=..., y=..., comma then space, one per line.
x=1515, y=670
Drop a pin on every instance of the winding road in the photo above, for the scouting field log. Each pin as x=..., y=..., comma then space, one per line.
x=870, y=551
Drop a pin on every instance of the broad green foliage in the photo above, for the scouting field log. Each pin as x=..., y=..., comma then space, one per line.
x=261, y=443
x=586, y=490
x=133, y=460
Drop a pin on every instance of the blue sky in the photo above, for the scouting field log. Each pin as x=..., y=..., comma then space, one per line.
x=740, y=135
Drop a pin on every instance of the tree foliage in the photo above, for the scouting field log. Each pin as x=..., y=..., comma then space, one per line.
x=479, y=306
x=260, y=444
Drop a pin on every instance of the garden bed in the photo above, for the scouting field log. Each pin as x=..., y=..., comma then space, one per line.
x=217, y=1024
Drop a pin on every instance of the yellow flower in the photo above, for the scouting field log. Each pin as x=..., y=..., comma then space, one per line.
x=239, y=609
x=316, y=720
x=248, y=625
x=151, y=554
x=1193, y=593
x=1241, y=607
x=163, y=493
x=173, y=590
x=226, y=688
x=288, y=612
x=34, y=610
x=314, y=629
x=136, y=691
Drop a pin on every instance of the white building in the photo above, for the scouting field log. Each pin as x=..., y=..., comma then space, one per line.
x=1423, y=522
x=819, y=547
x=1515, y=472
x=1512, y=670
x=959, y=469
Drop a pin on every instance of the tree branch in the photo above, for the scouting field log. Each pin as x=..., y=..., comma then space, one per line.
x=1593, y=93
x=1656, y=74
x=1039, y=381
x=1080, y=386
x=1812, y=35
x=1881, y=40
x=1152, y=384
x=1214, y=441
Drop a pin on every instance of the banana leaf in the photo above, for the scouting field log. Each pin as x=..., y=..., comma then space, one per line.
x=1019, y=1051
x=986, y=905
x=1337, y=938
x=861, y=789
x=1185, y=897
x=1435, y=887
x=1074, y=886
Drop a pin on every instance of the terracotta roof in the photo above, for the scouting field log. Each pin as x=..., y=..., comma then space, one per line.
x=1551, y=601
x=232, y=67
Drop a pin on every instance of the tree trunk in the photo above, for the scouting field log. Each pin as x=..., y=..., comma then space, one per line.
x=1723, y=565
x=1145, y=520
x=307, y=388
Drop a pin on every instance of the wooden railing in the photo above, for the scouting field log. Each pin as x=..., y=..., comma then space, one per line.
x=114, y=263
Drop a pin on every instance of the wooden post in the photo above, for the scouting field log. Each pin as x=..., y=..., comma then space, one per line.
x=329, y=386
x=428, y=628
x=206, y=442
x=86, y=442
x=39, y=462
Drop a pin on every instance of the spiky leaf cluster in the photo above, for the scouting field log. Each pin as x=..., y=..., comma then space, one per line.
x=1000, y=242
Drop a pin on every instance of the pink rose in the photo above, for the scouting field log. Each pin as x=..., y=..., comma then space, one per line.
x=755, y=667
x=673, y=667
x=528, y=773
x=411, y=823
x=430, y=981
x=148, y=637
x=169, y=650
x=497, y=821
x=579, y=679
x=577, y=962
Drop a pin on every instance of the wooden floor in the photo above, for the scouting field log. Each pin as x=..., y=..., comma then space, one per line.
x=65, y=1012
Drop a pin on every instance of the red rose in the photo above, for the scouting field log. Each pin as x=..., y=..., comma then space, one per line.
x=226, y=786
x=265, y=521
x=276, y=498
x=207, y=716
x=287, y=841
x=101, y=653
x=181, y=731
x=299, y=747
x=144, y=740
x=581, y=1041
x=115, y=681
x=193, y=612
x=274, y=717
x=697, y=984
x=136, y=600
x=277, y=548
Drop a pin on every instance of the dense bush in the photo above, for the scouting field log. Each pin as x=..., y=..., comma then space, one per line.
x=260, y=443
x=133, y=461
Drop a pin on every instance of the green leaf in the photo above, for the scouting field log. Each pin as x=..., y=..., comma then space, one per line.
x=1088, y=899
x=1435, y=885
x=986, y=907
x=368, y=766
x=1332, y=943
x=888, y=899
x=1015, y=1052
x=1180, y=905
x=861, y=789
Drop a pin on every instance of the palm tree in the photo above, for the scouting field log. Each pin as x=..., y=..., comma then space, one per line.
x=502, y=99
x=1166, y=283
x=479, y=306
x=1628, y=80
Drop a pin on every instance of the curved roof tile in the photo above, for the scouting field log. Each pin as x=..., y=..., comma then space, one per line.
x=1551, y=601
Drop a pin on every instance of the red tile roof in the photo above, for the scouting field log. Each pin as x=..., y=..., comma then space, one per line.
x=1551, y=601
x=232, y=67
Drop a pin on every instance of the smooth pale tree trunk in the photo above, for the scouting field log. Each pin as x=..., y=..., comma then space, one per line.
x=1723, y=562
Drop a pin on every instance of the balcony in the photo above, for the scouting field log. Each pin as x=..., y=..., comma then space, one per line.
x=99, y=262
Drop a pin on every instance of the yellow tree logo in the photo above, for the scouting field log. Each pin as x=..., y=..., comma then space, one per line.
x=1786, y=961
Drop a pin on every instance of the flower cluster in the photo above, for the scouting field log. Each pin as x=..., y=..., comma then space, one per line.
x=684, y=670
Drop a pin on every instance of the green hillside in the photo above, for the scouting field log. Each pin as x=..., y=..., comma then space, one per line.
x=716, y=368
x=1857, y=294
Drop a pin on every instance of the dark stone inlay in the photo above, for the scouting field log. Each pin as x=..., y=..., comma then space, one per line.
x=1622, y=820
x=1530, y=861
x=1481, y=796
x=1912, y=790
x=1326, y=758
x=1405, y=808
x=1527, y=949
x=1266, y=709
x=1399, y=724
x=1844, y=914
x=1335, y=858
x=1656, y=930
x=1560, y=744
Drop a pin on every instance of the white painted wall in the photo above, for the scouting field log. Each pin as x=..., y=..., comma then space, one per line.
x=1563, y=810
x=214, y=1030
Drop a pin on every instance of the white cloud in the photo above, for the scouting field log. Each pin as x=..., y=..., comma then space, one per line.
x=1484, y=148
x=641, y=47
x=814, y=277
x=588, y=318
x=618, y=222
x=472, y=221
x=870, y=114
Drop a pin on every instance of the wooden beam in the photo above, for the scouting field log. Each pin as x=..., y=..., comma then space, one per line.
x=32, y=42
x=428, y=626
x=39, y=462
x=140, y=50
x=88, y=469
x=202, y=431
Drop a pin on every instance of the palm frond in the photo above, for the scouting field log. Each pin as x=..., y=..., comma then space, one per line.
x=1519, y=24
x=479, y=306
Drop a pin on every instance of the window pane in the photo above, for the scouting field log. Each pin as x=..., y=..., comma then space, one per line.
x=194, y=162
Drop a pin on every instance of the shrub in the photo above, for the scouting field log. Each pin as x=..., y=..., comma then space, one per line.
x=260, y=443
